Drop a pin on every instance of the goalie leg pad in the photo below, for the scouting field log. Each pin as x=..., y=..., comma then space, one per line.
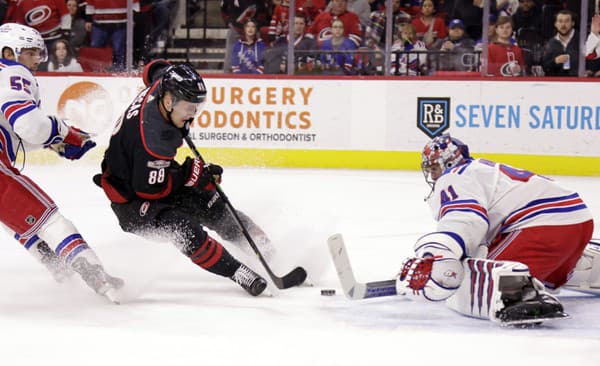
x=586, y=274
x=504, y=292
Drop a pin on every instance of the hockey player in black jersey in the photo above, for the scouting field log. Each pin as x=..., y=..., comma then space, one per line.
x=152, y=194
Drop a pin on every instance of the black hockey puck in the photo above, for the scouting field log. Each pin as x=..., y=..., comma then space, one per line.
x=327, y=292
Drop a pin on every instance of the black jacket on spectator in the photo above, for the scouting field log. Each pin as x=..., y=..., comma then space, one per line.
x=555, y=48
x=532, y=19
x=470, y=14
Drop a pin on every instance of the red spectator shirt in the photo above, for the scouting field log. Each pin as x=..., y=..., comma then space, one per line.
x=47, y=16
x=500, y=57
x=321, y=26
x=108, y=11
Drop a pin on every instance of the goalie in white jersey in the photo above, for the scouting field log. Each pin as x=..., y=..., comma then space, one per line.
x=25, y=209
x=504, y=236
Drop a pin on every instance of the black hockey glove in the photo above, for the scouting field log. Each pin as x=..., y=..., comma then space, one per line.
x=201, y=175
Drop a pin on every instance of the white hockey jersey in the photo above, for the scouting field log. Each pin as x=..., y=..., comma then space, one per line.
x=21, y=120
x=481, y=199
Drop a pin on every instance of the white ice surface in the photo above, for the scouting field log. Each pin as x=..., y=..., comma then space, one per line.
x=174, y=313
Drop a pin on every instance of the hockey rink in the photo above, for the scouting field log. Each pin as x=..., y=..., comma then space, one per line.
x=174, y=313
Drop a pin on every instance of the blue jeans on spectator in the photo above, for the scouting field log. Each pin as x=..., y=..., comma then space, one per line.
x=117, y=33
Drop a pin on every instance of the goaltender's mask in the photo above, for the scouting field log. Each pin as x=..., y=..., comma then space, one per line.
x=441, y=153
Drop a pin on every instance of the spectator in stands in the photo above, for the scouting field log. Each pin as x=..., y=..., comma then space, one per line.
x=310, y=9
x=362, y=9
x=507, y=7
x=561, y=53
x=471, y=13
x=303, y=44
x=491, y=33
x=3, y=10
x=413, y=7
x=235, y=13
x=528, y=15
x=107, y=21
x=375, y=32
x=321, y=26
x=592, y=48
x=504, y=56
x=79, y=35
x=405, y=61
x=247, y=55
x=62, y=58
x=142, y=29
x=456, y=50
x=163, y=12
x=429, y=27
x=279, y=21
x=49, y=17
x=338, y=63
x=307, y=9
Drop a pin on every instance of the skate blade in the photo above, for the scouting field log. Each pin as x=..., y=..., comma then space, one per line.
x=266, y=293
x=111, y=295
x=535, y=321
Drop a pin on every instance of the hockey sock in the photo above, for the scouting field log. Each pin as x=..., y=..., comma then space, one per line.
x=213, y=257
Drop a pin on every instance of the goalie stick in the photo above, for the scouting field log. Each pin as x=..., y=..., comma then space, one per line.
x=295, y=278
x=355, y=290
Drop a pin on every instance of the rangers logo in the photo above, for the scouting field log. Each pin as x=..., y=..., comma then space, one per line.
x=30, y=220
x=433, y=115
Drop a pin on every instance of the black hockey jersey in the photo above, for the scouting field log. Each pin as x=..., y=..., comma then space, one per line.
x=139, y=162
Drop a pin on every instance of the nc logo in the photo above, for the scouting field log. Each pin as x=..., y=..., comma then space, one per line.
x=433, y=115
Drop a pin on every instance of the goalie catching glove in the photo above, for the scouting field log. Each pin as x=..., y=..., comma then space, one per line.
x=69, y=142
x=201, y=175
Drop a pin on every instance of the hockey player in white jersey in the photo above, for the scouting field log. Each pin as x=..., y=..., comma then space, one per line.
x=504, y=237
x=25, y=208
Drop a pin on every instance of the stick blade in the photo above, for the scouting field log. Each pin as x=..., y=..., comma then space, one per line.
x=295, y=278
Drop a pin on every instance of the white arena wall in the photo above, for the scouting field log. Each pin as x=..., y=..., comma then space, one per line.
x=551, y=127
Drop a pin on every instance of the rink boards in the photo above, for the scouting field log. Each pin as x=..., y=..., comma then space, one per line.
x=552, y=127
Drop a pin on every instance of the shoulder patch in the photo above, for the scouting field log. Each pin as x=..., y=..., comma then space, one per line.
x=158, y=164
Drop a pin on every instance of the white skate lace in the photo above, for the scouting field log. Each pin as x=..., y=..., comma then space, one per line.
x=244, y=276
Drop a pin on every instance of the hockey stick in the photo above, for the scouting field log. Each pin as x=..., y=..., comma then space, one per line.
x=355, y=290
x=295, y=277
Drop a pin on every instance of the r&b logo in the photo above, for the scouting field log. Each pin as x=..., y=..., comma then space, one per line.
x=433, y=115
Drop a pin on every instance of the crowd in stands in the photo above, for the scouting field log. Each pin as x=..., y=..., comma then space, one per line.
x=348, y=37
x=91, y=30
x=338, y=37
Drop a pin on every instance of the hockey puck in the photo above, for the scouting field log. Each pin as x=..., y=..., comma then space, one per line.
x=327, y=292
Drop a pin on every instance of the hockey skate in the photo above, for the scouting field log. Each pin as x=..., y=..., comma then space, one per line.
x=53, y=263
x=96, y=278
x=527, y=303
x=250, y=281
